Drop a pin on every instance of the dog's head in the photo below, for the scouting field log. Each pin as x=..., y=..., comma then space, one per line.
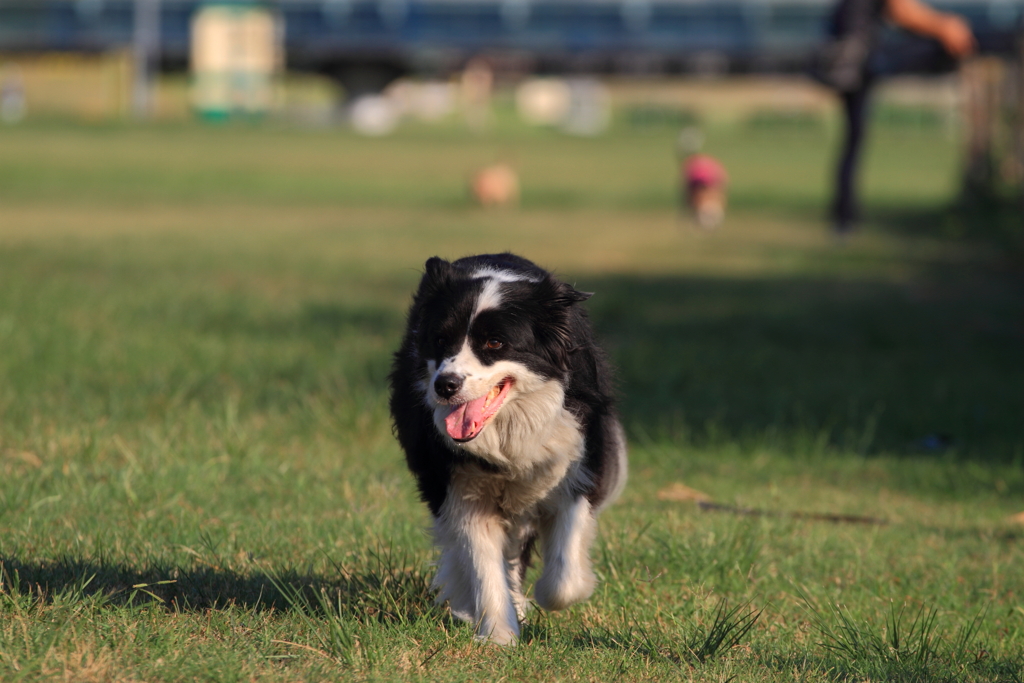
x=488, y=333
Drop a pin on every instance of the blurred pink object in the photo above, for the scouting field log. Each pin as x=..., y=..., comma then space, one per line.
x=704, y=188
x=704, y=170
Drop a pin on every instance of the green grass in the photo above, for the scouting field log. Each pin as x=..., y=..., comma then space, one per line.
x=198, y=479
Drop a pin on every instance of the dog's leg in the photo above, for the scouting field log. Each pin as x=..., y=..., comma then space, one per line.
x=496, y=616
x=451, y=581
x=471, y=573
x=566, y=533
x=518, y=548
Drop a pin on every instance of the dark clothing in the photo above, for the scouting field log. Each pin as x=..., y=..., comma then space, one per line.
x=859, y=52
x=856, y=17
x=845, y=210
x=842, y=62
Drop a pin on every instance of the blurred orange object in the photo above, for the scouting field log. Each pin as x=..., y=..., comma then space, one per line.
x=496, y=185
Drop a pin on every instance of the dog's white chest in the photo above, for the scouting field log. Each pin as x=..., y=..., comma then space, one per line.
x=535, y=442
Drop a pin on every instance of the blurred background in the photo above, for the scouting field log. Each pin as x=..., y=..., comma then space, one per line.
x=583, y=67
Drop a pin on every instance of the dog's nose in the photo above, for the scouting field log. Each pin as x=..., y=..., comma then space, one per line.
x=448, y=384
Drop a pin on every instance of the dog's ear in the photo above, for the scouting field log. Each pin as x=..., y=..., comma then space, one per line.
x=561, y=294
x=436, y=274
x=436, y=268
x=558, y=299
x=578, y=295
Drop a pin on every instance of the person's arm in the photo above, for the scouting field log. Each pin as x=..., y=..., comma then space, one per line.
x=949, y=29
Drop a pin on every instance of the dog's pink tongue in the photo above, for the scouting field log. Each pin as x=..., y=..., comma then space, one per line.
x=466, y=420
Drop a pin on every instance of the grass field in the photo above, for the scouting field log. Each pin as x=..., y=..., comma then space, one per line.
x=198, y=479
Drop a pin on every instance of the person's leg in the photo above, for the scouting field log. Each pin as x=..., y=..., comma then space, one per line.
x=845, y=206
x=897, y=54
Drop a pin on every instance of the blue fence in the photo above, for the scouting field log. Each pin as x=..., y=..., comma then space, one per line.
x=438, y=35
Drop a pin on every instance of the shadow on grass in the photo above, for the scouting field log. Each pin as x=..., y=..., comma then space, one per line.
x=337, y=610
x=810, y=363
x=395, y=591
x=985, y=218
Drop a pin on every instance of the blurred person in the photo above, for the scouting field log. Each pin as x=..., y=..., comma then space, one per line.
x=852, y=61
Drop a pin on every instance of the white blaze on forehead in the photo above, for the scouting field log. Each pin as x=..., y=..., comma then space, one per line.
x=502, y=275
x=490, y=295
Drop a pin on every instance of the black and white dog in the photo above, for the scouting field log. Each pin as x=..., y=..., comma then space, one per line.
x=503, y=404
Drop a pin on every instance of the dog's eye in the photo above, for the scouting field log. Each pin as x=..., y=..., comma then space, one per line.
x=493, y=344
x=440, y=342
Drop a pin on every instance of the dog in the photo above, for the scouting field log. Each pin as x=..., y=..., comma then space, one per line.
x=704, y=189
x=703, y=181
x=503, y=404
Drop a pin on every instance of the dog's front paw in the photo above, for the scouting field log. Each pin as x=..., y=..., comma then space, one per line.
x=558, y=591
x=498, y=635
x=459, y=604
x=503, y=639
